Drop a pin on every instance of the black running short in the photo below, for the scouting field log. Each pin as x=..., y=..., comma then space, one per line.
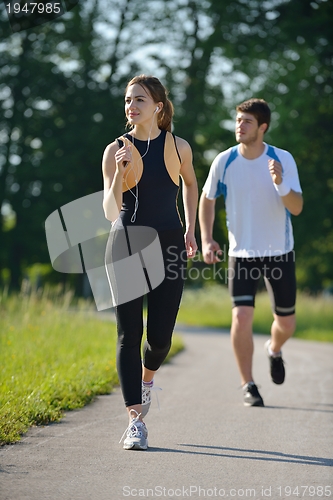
x=278, y=272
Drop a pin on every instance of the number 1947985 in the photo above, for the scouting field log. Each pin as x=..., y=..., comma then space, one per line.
x=34, y=7
x=302, y=491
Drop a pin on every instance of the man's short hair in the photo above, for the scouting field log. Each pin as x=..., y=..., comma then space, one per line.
x=258, y=108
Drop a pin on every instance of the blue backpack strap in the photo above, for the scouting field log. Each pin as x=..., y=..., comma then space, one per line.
x=221, y=186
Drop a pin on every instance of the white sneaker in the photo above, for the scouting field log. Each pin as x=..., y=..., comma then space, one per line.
x=136, y=434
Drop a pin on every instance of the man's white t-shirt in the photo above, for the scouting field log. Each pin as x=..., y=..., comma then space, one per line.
x=258, y=223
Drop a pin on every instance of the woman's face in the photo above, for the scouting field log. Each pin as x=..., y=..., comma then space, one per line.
x=139, y=105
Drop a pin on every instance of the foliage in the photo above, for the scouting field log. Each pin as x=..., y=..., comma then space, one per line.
x=61, y=93
x=297, y=62
x=53, y=359
x=211, y=306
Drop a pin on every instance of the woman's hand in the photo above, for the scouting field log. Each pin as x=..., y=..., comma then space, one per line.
x=190, y=244
x=123, y=157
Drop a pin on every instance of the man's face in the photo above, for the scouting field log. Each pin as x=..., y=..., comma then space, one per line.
x=246, y=129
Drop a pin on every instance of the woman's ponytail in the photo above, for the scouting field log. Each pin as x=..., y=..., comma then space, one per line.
x=164, y=120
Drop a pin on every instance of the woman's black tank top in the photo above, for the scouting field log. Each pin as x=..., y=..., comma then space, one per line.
x=157, y=192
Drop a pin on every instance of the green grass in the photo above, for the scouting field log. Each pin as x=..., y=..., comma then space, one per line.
x=211, y=306
x=52, y=360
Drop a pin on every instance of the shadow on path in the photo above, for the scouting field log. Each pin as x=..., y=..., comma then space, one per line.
x=273, y=456
x=317, y=410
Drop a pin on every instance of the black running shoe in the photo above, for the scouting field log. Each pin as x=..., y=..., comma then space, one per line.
x=251, y=395
x=276, y=366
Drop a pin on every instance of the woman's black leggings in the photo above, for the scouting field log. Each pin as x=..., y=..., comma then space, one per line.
x=162, y=309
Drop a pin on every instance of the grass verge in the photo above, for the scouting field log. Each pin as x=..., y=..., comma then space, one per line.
x=52, y=360
x=211, y=306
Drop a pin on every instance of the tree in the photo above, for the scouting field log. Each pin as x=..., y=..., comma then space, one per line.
x=292, y=70
x=61, y=93
x=56, y=99
x=307, y=118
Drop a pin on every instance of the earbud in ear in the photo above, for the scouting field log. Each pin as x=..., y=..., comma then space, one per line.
x=157, y=109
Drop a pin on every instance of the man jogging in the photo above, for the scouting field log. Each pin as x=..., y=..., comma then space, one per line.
x=261, y=188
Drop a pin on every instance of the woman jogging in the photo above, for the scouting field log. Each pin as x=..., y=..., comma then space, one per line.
x=141, y=173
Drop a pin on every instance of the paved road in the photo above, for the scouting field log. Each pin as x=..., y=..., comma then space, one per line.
x=203, y=442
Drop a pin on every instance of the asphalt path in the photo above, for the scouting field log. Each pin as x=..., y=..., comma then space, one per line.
x=203, y=443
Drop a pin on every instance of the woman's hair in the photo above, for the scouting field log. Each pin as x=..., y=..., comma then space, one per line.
x=258, y=108
x=159, y=94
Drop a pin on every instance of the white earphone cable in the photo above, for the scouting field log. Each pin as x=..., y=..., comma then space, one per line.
x=136, y=194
